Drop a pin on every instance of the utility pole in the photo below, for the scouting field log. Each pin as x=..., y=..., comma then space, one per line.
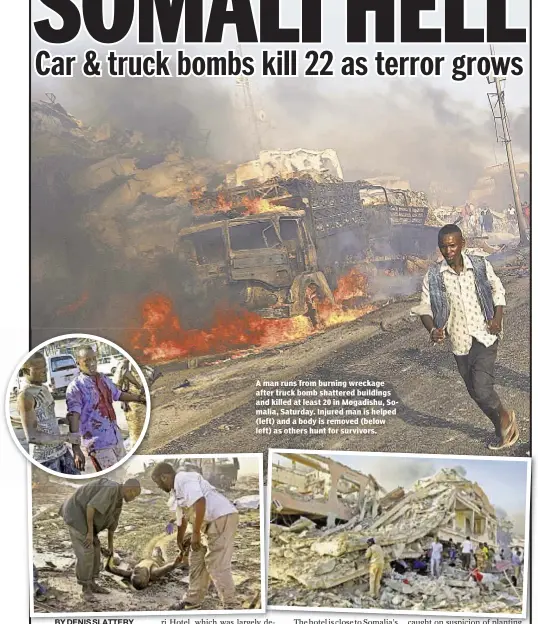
x=498, y=108
x=244, y=83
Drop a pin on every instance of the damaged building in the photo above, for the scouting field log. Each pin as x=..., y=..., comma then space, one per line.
x=323, y=489
x=326, y=566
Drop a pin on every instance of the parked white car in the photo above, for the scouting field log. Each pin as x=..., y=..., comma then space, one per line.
x=108, y=364
x=61, y=370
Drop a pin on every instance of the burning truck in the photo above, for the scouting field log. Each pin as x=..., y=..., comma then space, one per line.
x=279, y=245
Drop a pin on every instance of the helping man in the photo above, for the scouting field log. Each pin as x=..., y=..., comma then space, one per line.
x=212, y=514
x=93, y=508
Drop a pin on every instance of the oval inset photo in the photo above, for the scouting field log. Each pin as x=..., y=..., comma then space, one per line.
x=78, y=405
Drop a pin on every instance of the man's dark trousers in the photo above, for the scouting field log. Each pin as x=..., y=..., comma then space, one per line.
x=477, y=370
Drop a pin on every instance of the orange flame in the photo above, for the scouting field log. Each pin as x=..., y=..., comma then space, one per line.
x=259, y=205
x=220, y=205
x=332, y=315
x=162, y=338
x=223, y=204
x=351, y=286
x=196, y=192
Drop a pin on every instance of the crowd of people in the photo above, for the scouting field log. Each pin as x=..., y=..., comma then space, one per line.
x=477, y=560
x=476, y=220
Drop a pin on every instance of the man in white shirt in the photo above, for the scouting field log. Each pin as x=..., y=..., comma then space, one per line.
x=210, y=513
x=437, y=553
x=463, y=299
x=466, y=550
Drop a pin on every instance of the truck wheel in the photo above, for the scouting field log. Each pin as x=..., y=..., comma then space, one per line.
x=312, y=305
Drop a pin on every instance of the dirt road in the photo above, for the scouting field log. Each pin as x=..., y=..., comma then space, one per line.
x=215, y=413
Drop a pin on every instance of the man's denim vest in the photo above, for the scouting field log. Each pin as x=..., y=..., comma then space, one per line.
x=439, y=300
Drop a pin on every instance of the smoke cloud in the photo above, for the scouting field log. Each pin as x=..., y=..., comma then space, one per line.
x=398, y=472
x=413, y=131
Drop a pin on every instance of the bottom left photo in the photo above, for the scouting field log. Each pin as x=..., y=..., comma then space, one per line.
x=159, y=534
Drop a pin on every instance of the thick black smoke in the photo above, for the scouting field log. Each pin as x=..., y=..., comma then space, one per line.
x=410, y=130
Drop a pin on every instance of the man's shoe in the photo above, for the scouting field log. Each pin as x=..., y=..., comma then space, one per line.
x=509, y=436
x=184, y=606
x=87, y=594
x=97, y=589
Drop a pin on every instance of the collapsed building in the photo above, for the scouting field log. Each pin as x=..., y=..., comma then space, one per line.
x=328, y=566
x=323, y=489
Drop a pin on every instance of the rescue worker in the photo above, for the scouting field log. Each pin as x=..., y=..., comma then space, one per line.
x=480, y=558
x=127, y=381
x=436, y=557
x=377, y=563
x=93, y=508
x=487, y=558
x=466, y=552
x=517, y=560
x=452, y=552
x=210, y=513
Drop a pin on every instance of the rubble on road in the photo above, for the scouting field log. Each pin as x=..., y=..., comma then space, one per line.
x=311, y=566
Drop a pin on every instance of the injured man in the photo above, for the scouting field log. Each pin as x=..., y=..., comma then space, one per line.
x=147, y=570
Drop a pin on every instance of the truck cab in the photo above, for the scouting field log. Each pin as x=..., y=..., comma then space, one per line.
x=269, y=259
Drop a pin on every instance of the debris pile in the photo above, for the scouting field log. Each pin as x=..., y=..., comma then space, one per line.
x=306, y=561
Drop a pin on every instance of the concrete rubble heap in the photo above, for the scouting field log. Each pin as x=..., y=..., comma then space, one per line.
x=306, y=561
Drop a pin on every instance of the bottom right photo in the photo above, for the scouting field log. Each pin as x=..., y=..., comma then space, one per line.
x=398, y=533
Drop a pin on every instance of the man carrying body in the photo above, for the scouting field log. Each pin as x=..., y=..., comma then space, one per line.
x=212, y=514
x=466, y=550
x=436, y=557
x=90, y=398
x=93, y=508
x=463, y=298
x=377, y=563
x=147, y=570
x=36, y=408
